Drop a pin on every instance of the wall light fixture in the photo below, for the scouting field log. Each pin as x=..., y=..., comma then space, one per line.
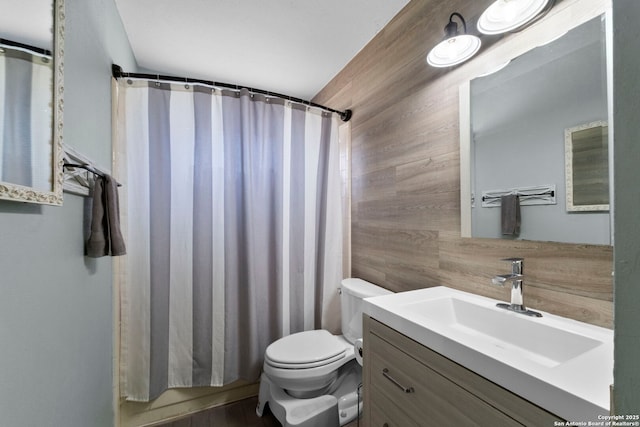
x=507, y=15
x=454, y=48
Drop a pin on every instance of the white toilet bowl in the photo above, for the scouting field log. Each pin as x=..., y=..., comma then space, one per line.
x=306, y=364
x=311, y=378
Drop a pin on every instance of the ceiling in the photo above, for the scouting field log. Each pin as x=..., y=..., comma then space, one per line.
x=293, y=47
x=27, y=21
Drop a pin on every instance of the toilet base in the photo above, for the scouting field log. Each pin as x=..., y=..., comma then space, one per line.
x=330, y=410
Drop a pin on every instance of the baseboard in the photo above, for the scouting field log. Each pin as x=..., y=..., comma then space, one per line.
x=178, y=403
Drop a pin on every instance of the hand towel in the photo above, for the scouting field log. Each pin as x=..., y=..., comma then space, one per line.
x=116, y=242
x=510, y=214
x=97, y=245
x=106, y=237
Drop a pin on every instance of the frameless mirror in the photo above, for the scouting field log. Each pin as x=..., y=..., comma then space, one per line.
x=31, y=83
x=518, y=117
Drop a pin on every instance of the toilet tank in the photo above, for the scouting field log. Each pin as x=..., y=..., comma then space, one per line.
x=353, y=292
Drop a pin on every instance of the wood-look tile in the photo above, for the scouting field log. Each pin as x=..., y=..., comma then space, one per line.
x=551, y=274
x=231, y=416
x=434, y=174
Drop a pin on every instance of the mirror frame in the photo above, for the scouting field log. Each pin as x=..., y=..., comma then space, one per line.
x=20, y=193
x=548, y=29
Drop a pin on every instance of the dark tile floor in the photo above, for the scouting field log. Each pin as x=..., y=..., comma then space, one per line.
x=238, y=414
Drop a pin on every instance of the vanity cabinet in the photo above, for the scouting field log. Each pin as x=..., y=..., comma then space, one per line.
x=407, y=384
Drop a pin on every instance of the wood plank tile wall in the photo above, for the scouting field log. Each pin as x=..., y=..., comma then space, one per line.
x=406, y=177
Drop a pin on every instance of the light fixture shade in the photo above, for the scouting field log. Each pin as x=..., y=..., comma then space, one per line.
x=507, y=15
x=455, y=48
x=453, y=51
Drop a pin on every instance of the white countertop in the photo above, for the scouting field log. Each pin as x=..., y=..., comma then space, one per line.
x=560, y=364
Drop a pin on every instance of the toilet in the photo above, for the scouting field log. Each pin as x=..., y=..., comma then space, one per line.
x=312, y=378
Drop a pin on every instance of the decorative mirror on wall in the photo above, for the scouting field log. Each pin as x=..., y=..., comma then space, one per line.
x=587, y=167
x=31, y=105
x=513, y=139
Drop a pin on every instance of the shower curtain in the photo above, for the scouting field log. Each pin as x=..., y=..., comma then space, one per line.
x=231, y=209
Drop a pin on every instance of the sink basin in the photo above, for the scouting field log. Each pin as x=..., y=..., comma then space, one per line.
x=501, y=336
x=560, y=364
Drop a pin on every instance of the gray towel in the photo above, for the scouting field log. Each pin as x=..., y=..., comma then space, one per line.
x=105, y=238
x=510, y=214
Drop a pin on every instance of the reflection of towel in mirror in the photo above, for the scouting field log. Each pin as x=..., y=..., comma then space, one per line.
x=510, y=214
x=105, y=238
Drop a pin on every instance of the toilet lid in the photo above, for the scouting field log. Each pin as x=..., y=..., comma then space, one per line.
x=305, y=350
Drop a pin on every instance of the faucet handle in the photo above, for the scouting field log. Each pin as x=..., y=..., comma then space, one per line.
x=516, y=265
x=501, y=279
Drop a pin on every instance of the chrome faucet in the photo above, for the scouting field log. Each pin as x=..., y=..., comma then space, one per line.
x=517, y=280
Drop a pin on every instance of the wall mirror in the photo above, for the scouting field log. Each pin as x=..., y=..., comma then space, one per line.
x=586, y=151
x=517, y=117
x=31, y=86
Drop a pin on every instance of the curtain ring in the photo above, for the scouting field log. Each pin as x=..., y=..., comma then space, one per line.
x=186, y=85
x=157, y=80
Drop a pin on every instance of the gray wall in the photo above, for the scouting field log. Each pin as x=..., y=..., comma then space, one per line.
x=626, y=66
x=56, y=324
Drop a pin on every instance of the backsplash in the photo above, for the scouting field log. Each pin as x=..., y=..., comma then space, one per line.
x=406, y=179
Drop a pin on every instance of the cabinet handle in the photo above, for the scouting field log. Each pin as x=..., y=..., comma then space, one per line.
x=385, y=373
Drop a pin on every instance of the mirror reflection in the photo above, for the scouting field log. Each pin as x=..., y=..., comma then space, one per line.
x=587, y=167
x=518, y=119
x=28, y=137
x=26, y=78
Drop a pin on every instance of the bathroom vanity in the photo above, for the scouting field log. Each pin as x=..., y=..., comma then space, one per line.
x=408, y=384
x=428, y=361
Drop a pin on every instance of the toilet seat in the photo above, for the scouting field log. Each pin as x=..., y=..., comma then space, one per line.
x=304, y=350
x=315, y=374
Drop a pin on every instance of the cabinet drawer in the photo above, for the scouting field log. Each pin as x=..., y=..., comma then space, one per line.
x=429, y=398
x=386, y=414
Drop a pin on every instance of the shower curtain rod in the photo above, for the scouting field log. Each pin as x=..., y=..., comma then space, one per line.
x=117, y=72
x=33, y=49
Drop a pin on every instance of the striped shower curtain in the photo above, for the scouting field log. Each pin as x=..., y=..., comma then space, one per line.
x=231, y=209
